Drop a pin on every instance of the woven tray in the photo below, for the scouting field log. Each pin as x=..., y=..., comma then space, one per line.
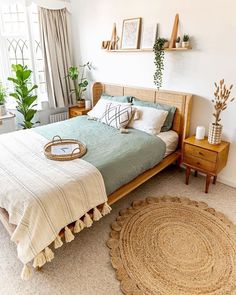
x=76, y=153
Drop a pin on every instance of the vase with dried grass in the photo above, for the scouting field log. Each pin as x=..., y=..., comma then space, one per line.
x=222, y=98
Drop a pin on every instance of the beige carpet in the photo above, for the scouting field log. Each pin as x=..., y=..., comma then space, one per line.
x=83, y=266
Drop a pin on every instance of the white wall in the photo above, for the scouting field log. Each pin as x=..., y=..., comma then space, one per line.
x=211, y=24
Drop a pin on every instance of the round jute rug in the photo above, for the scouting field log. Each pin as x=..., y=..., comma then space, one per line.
x=173, y=246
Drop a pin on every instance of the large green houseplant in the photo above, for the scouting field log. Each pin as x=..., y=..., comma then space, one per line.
x=24, y=94
x=80, y=82
x=3, y=95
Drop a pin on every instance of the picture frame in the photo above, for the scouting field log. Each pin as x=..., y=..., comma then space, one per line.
x=149, y=36
x=131, y=32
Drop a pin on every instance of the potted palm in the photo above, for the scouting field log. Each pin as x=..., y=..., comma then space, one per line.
x=24, y=94
x=3, y=95
x=185, y=43
x=222, y=98
x=80, y=82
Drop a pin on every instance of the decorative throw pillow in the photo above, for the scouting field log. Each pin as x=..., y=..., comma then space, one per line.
x=150, y=120
x=120, y=99
x=117, y=115
x=99, y=109
x=171, y=111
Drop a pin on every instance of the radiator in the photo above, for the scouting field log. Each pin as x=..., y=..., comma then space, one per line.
x=58, y=117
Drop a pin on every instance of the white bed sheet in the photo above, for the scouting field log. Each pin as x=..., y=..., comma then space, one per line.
x=171, y=139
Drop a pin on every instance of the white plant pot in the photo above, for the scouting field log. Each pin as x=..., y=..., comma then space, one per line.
x=3, y=110
x=178, y=45
x=185, y=44
x=215, y=133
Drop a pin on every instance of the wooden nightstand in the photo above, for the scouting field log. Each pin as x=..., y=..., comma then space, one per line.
x=77, y=111
x=201, y=156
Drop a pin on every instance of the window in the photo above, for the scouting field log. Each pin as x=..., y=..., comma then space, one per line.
x=20, y=43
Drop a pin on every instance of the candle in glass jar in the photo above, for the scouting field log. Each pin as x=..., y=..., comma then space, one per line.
x=200, y=133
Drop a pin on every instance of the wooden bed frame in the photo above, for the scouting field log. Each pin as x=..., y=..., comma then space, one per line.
x=181, y=124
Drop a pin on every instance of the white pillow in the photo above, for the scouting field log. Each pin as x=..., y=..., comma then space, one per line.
x=117, y=115
x=150, y=120
x=100, y=108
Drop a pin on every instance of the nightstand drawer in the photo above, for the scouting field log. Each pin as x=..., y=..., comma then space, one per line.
x=199, y=163
x=200, y=153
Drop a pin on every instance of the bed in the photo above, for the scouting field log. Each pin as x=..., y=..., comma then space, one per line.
x=112, y=154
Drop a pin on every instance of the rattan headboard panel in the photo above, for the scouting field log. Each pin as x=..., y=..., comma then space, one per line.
x=182, y=102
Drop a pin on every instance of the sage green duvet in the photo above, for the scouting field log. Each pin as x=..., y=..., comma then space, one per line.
x=118, y=156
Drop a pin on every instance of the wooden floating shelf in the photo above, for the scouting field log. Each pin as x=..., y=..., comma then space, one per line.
x=147, y=50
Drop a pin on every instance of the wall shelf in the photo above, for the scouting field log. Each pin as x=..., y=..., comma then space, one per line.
x=148, y=50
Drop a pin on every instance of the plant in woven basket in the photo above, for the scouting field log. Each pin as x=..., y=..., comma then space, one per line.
x=221, y=100
x=78, y=77
x=24, y=94
x=159, y=61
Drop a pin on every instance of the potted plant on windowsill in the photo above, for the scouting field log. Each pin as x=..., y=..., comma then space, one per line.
x=3, y=95
x=24, y=94
x=186, y=40
x=221, y=101
x=80, y=82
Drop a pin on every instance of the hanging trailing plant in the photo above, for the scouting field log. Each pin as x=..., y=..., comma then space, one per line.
x=159, y=60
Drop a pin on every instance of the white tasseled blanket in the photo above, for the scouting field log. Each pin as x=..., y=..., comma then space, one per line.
x=43, y=196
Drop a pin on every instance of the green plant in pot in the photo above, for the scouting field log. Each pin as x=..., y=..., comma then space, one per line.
x=178, y=43
x=222, y=99
x=159, y=60
x=185, y=43
x=24, y=94
x=3, y=95
x=80, y=82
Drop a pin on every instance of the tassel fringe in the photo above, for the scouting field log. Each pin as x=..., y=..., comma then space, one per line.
x=79, y=225
x=26, y=273
x=68, y=235
x=106, y=209
x=58, y=242
x=87, y=220
x=49, y=255
x=96, y=214
x=39, y=260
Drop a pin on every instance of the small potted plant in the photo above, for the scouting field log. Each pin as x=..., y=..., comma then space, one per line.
x=221, y=101
x=80, y=82
x=178, y=43
x=185, y=43
x=3, y=95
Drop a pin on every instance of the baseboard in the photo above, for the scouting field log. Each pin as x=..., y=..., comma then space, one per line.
x=226, y=181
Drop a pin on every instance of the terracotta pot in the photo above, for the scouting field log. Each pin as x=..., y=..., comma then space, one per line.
x=215, y=133
x=81, y=103
x=166, y=44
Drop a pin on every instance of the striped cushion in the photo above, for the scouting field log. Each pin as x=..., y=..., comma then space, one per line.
x=117, y=115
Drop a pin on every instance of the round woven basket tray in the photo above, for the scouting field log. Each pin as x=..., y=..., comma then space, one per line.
x=76, y=153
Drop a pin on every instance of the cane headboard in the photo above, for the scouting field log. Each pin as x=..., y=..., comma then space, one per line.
x=182, y=102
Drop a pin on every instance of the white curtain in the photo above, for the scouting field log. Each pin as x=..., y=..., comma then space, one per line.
x=56, y=46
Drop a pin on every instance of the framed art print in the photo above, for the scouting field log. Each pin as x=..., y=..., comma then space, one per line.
x=149, y=36
x=131, y=33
